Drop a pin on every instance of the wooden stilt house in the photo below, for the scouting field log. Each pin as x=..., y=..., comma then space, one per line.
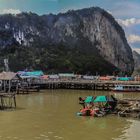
x=8, y=81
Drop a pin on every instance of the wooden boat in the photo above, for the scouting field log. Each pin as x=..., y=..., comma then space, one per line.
x=126, y=88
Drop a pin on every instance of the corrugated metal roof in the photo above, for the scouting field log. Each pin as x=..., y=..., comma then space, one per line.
x=54, y=76
x=7, y=75
x=66, y=75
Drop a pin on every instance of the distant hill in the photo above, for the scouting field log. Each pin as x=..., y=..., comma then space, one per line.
x=136, y=57
x=82, y=41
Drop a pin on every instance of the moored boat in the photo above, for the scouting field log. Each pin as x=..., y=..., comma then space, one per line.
x=97, y=106
x=126, y=88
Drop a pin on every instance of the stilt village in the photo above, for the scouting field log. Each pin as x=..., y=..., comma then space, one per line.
x=26, y=82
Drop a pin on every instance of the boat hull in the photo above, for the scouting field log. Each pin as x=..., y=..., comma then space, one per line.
x=125, y=90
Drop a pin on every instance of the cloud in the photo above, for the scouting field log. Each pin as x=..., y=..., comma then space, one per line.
x=129, y=22
x=126, y=9
x=133, y=38
x=10, y=11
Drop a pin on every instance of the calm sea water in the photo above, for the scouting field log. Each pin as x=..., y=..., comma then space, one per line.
x=51, y=115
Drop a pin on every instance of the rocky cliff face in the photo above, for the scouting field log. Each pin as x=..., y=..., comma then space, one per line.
x=92, y=30
x=136, y=57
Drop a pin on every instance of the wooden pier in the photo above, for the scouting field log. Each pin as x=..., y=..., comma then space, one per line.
x=82, y=84
x=27, y=90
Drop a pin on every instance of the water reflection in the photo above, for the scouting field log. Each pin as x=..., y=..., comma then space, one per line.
x=51, y=115
x=107, y=128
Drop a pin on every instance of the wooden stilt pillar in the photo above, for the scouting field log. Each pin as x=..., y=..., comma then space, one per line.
x=15, y=101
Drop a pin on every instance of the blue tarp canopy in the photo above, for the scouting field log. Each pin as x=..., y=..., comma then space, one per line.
x=89, y=99
x=30, y=73
x=100, y=99
x=124, y=78
x=103, y=99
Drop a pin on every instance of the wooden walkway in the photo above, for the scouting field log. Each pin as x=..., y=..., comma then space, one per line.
x=81, y=84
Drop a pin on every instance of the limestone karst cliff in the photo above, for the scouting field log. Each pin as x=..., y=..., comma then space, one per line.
x=82, y=41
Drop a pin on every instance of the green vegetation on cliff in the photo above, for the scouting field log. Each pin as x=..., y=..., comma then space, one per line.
x=54, y=59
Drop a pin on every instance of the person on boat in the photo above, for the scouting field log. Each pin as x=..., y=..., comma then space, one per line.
x=107, y=108
x=85, y=111
x=82, y=102
x=97, y=112
x=91, y=112
x=113, y=98
x=94, y=113
x=101, y=110
x=113, y=103
x=89, y=105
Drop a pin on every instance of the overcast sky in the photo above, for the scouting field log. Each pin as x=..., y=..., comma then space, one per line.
x=126, y=12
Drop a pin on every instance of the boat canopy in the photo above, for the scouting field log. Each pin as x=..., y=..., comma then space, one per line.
x=103, y=99
x=100, y=99
x=89, y=99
